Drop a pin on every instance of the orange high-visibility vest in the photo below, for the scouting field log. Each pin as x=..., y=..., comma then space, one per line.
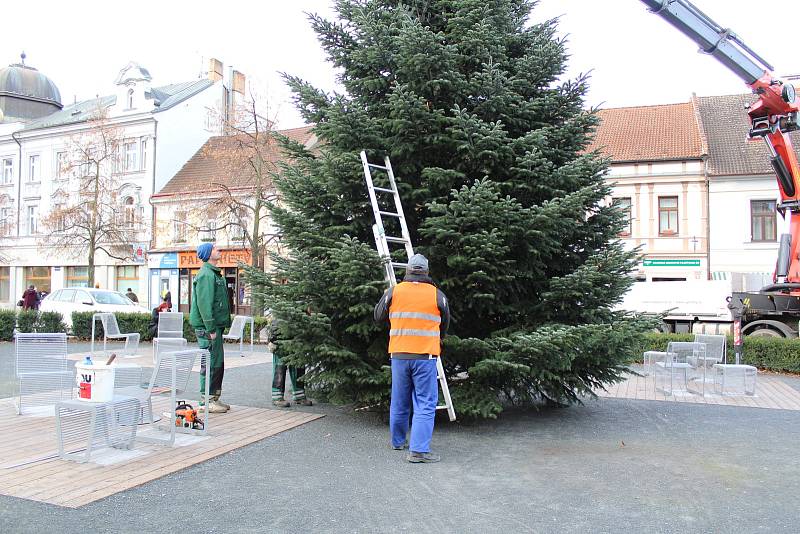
x=415, y=318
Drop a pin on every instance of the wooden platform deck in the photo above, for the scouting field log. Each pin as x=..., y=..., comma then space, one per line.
x=771, y=392
x=31, y=468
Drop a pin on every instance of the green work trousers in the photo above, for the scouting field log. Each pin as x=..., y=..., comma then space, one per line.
x=279, y=380
x=216, y=348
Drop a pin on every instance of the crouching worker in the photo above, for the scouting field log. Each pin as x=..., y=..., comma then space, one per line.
x=210, y=316
x=419, y=315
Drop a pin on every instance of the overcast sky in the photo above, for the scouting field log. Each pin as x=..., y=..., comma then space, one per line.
x=635, y=57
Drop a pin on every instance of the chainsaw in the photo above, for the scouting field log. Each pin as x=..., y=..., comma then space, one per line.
x=186, y=416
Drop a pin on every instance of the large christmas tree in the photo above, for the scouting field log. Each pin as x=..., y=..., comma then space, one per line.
x=489, y=150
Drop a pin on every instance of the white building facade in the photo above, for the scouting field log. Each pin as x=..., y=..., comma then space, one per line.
x=745, y=226
x=658, y=177
x=160, y=127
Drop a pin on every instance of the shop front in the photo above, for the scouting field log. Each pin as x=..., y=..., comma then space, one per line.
x=163, y=277
x=673, y=269
x=238, y=291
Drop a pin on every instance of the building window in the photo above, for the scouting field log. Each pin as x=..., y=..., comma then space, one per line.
x=39, y=277
x=77, y=277
x=5, y=284
x=667, y=215
x=8, y=170
x=131, y=155
x=129, y=215
x=624, y=205
x=144, y=154
x=5, y=221
x=33, y=220
x=61, y=221
x=88, y=166
x=62, y=165
x=763, y=221
x=210, y=231
x=130, y=98
x=33, y=169
x=179, y=229
x=128, y=277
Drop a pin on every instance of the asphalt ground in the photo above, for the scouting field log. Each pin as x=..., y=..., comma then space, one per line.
x=610, y=465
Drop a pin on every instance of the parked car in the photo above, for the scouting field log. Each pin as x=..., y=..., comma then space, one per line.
x=66, y=301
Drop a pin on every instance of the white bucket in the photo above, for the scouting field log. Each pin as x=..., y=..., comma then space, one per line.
x=95, y=382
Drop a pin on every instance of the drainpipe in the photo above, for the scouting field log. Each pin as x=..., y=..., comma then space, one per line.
x=153, y=189
x=152, y=213
x=708, y=218
x=19, y=179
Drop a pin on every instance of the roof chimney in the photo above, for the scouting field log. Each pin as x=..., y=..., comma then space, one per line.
x=238, y=82
x=214, y=69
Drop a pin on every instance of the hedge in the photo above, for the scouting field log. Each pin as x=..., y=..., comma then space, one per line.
x=27, y=321
x=8, y=319
x=771, y=353
x=138, y=322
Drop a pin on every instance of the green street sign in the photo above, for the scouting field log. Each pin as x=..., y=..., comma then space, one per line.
x=672, y=263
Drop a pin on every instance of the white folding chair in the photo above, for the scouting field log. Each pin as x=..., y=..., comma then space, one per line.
x=42, y=370
x=236, y=332
x=111, y=331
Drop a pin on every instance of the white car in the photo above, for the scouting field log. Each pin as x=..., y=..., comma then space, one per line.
x=78, y=299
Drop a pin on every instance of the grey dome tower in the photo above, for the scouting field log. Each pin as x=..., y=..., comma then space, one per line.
x=26, y=93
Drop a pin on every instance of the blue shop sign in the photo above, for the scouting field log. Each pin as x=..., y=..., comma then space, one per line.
x=169, y=260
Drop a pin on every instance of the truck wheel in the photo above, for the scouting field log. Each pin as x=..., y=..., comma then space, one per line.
x=765, y=332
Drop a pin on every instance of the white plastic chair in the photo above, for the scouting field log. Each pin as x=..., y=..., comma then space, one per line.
x=111, y=331
x=42, y=370
x=236, y=331
x=170, y=376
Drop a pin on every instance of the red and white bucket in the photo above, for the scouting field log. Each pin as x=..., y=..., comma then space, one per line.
x=95, y=382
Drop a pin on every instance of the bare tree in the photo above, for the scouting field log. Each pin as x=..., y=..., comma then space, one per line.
x=246, y=157
x=88, y=215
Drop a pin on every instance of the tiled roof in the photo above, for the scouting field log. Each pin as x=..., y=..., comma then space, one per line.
x=167, y=95
x=649, y=133
x=217, y=163
x=726, y=125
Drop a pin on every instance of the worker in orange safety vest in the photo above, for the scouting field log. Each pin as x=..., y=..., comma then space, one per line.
x=419, y=315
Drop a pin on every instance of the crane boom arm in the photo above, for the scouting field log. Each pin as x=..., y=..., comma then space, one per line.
x=772, y=116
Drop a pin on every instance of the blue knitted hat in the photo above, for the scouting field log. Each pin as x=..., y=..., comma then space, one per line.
x=204, y=251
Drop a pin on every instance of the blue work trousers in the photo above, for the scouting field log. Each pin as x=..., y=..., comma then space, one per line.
x=413, y=382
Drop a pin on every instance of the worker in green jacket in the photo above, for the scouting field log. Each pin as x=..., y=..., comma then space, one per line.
x=210, y=315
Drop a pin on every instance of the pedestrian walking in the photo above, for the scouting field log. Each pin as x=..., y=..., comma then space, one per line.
x=419, y=315
x=131, y=295
x=210, y=316
x=30, y=298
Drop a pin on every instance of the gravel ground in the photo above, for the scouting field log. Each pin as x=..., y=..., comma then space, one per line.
x=610, y=465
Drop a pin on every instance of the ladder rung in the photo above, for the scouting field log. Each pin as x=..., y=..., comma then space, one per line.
x=384, y=190
x=441, y=407
x=391, y=239
x=399, y=265
x=377, y=166
x=391, y=214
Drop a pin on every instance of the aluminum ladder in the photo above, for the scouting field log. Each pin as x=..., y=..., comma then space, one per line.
x=382, y=242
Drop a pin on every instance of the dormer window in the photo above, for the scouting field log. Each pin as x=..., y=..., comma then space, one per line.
x=130, y=99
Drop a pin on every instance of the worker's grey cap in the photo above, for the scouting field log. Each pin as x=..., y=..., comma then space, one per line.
x=418, y=264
